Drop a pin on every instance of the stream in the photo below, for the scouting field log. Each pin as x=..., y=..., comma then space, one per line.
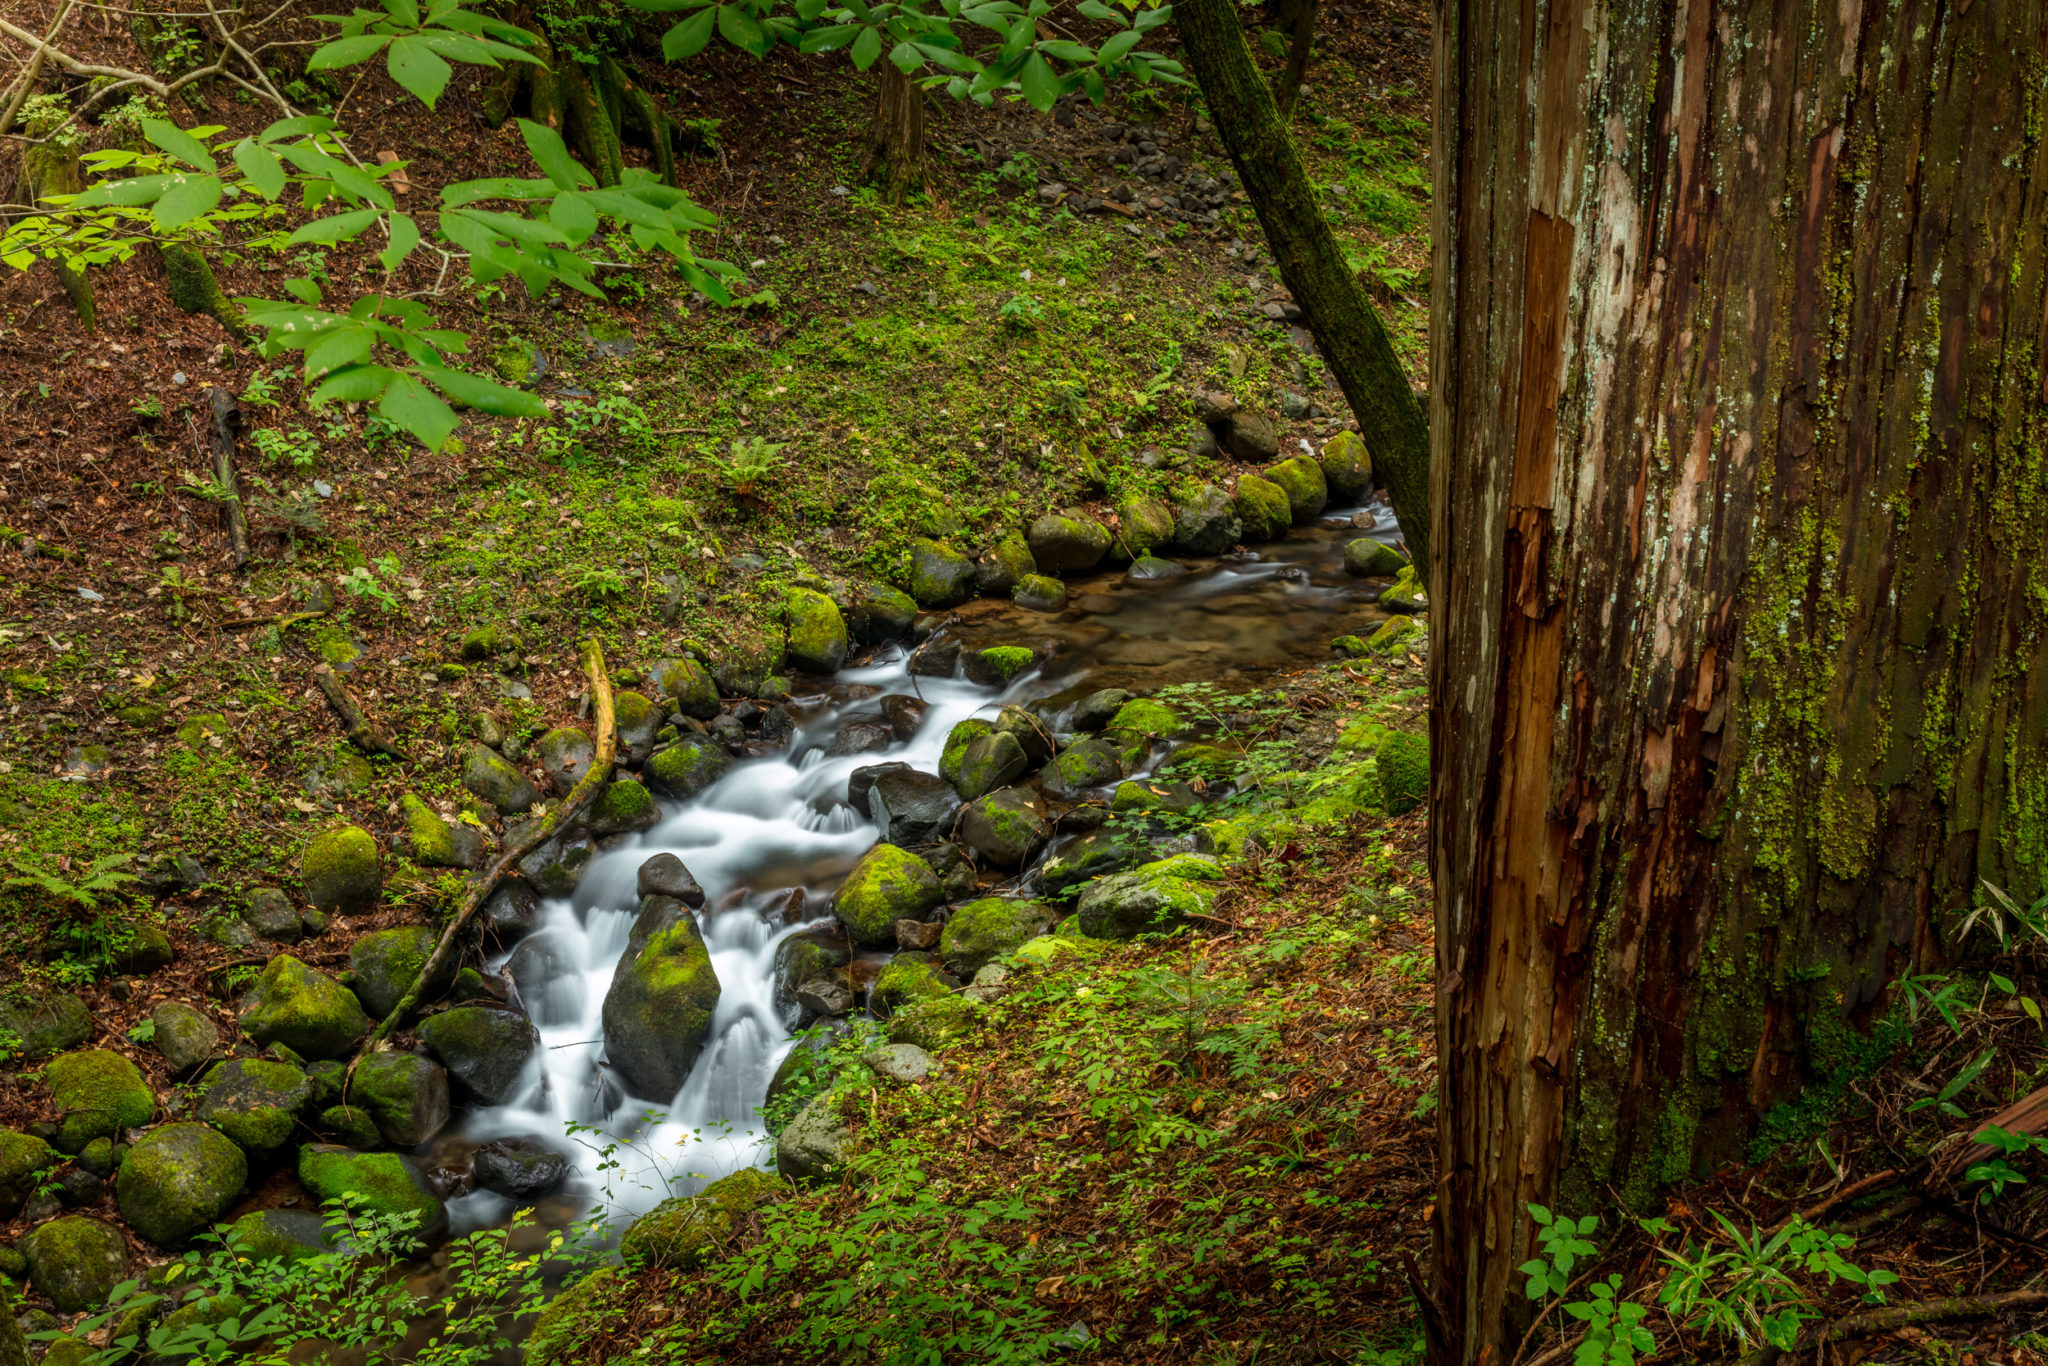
x=782, y=821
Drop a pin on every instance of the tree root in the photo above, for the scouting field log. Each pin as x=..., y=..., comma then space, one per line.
x=195, y=290
x=580, y=796
x=227, y=421
x=363, y=733
x=1896, y=1316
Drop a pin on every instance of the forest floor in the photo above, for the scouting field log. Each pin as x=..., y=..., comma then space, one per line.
x=1217, y=1148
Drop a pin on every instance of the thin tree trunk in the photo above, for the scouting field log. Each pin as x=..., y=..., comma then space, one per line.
x=1353, y=341
x=227, y=424
x=1740, y=646
x=1298, y=48
x=895, y=160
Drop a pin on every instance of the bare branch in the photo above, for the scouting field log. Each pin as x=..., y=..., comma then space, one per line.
x=34, y=69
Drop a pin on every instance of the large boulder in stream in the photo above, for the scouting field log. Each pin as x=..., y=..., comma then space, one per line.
x=1068, y=542
x=385, y=962
x=1205, y=521
x=485, y=1049
x=661, y=1000
x=940, y=576
x=1347, y=468
x=688, y=766
x=818, y=638
x=1262, y=508
x=407, y=1095
x=982, y=931
x=1007, y=827
x=912, y=807
x=385, y=1183
x=887, y=885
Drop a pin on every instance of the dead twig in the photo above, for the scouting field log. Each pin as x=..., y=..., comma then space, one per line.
x=277, y=619
x=586, y=790
x=34, y=69
x=1896, y=1316
x=227, y=422
x=364, y=734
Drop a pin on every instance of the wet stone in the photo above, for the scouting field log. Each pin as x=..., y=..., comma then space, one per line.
x=666, y=875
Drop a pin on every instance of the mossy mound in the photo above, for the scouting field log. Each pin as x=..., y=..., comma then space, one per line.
x=1040, y=593
x=1005, y=662
x=958, y=739
x=1149, y=899
x=342, y=871
x=818, y=638
x=46, y=1021
x=905, y=980
x=1372, y=559
x=177, y=1180
x=256, y=1103
x=578, y=1316
x=688, y=766
x=1398, y=636
x=659, y=1007
x=1068, y=542
x=384, y=964
x=1301, y=479
x=1262, y=508
x=75, y=1260
x=1347, y=468
x=201, y=729
x=1403, y=764
x=936, y=1023
x=98, y=1094
x=437, y=843
x=982, y=931
x=622, y=807
x=304, y=1009
x=638, y=721
x=487, y=642
x=683, y=1233
x=1142, y=716
x=686, y=683
x=406, y=1095
x=23, y=1158
x=1007, y=562
x=385, y=1183
x=1006, y=827
x=1087, y=763
x=995, y=760
x=887, y=885
x=1144, y=525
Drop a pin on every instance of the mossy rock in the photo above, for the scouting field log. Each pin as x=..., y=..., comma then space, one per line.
x=69, y=1351
x=487, y=776
x=818, y=638
x=385, y=1183
x=958, y=740
x=1141, y=716
x=141, y=715
x=200, y=730
x=488, y=642
x=982, y=931
x=658, y=1009
x=936, y=1023
x=1145, y=795
x=993, y=761
x=1068, y=542
x=178, y=1179
x=1199, y=759
x=485, y=1049
x=683, y=1233
x=1087, y=763
x=185, y=1037
x=23, y=1159
x=75, y=1261
x=1040, y=593
x=304, y=1009
x=622, y=807
x=1407, y=593
x=1005, y=565
x=1144, y=524
x=99, y=1094
x=1262, y=508
x=255, y=1102
x=1301, y=479
x=887, y=885
x=334, y=647
x=351, y=1126
x=1397, y=637
x=406, y=1094
x=385, y=962
x=437, y=843
x=940, y=576
x=147, y=950
x=1372, y=559
x=46, y=1021
x=686, y=683
x=1098, y=853
x=565, y=755
x=1347, y=468
x=1403, y=764
x=1205, y=521
x=688, y=766
x=342, y=871
x=905, y=980
x=638, y=722
x=1005, y=827
x=582, y=1314
x=1004, y=663
x=1149, y=899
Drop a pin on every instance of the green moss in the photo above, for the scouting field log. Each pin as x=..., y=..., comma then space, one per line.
x=342, y=871
x=177, y=1180
x=887, y=885
x=99, y=1094
x=254, y=1102
x=936, y=1023
x=1142, y=716
x=202, y=728
x=433, y=843
x=958, y=740
x=818, y=638
x=1372, y=559
x=333, y=646
x=1007, y=661
x=1398, y=636
x=1301, y=479
x=22, y=1158
x=194, y=289
x=688, y=766
x=304, y=1009
x=580, y=1315
x=939, y=576
x=683, y=1233
x=981, y=931
x=1263, y=509
x=25, y=683
x=1144, y=524
x=1403, y=763
x=1347, y=468
x=904, y=981
x=385, y=1183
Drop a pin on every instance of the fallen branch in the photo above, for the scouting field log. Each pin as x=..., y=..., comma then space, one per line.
x=227, y=420
x=364, y=734
x=1897, y=1316
x=26, y=86
x=586, y=790
x=277, y=619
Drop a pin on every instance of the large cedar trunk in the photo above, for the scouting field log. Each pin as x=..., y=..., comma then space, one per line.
x=1740, y=495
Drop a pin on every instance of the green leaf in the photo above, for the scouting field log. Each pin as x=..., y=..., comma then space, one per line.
x=415, y=65
x=1147, y=20
x=688, y=38
x=485, y=395
x=460, y=47
x=264, y=171
x=179, y=143
x=829, y=39
x=1041, y=86
x=905, y=57
x=188, y=198
x=406, y=12
x=573, y=216
x=338, y=227
x=415, y=409
x=338, y=348
x=740, y=29
x=1062, y=51
x=1539, y=1214
x=346, y=52
x=866, y=48
x=306, y=291
x=551, y=154
x=405, y=235
x=1114, y=48
x=667, y=6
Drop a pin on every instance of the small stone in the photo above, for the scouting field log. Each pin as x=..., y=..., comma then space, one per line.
x=270, y=914
x=824, y=996
x=185, y=1037
x=917, y=934
x=665, y=875
x=1040, y=593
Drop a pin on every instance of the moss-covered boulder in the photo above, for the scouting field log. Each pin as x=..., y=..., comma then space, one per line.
x=1146, y=795
x=636, y=720
x=1301, y=479
x=385, y=962
x=958, y=740
x=304, y=1009
x=185, y=1037
x=23, y=1159
x=76, y=1261
x=686, y=684
x=1040, y=593
x=342, y=871
x=1149, y=899
x=1089, y=762
x=351, y=1126
x=622, y=807
x=255, y=1102
x=814, y=1146
x=1144, y=718
x=887, y=885
x=1205, y=521
x=1347, y=468
x=1201, y=759
x=438, y=843
x=488, y=641
x=485, y=1050
x=46, y=1021
x=995, y=760
x=406, y=1095
x=1396, y=637
x=688, y=766
x=903, y=980
x=1006, y=827
x=940, y=576
x=1372, y=559
x=1144, y=524
x=520, y=1169
x=98, y=1094
x=145, y=950
x=565, y=755
x=1403, y=764
x=1068, y=542
x=177, y=1180
x=661, y=1000
x=1000, y=665
x=982, y=931
x=281, y=1235
x=1262, y=508
x=487, y=776
x=683, y=1233
x=1098, y=853
x=1095, y=711
x=583, y=1313
x=881, y=613
x=936, y=1023
x=818, y=638
x=385, y=1183
x=1003, y=566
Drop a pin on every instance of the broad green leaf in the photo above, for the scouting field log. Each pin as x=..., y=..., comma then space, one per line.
x=484, y=395
x=866, y=48
x=306, y=291
x=338, y=227
x=1114, y=48
x=179, y=144
x=514, y=226
x=346, y=52
x=126, y=194
x=339, y=347
x=415, y=409
x=948, y=59
x=1062, y=51
x=347, y=178
x=829, y=39
x=688, y=38
x=1041, y=86
x=905, y=57
x=573, y=216
x=667, y=6
x=1019, y=40
x=471, y=191
x=188, y=198
x=264, y=171
x=460, y=47
x=1147, y=20
x=406, y=12
x=416, y=66
x=292, y=128
x=809, y=10
x=551, y=154
x=741, y=29
x=1093, y=85
x=405, y=235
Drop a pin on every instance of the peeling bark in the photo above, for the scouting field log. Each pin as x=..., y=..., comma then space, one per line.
x=1740, y=505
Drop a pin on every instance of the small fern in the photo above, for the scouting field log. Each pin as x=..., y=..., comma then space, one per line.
x=102, y=879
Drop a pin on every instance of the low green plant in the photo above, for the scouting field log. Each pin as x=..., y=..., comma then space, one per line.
x=1750, y=1287
x=1614, y=1331
x=1944, y=1100
x=101, y=881
x=1997, y=1171
x=1021, y=313
x=298, y=447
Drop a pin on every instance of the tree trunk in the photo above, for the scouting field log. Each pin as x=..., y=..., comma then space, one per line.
x=1346, y=328
x=1740, y=661
x=895, y=160
x=1296, y=71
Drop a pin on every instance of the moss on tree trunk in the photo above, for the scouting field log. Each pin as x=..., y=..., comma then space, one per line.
x=194, y=289
x=51, y=168
x=895, y=156
x=1348, y=331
